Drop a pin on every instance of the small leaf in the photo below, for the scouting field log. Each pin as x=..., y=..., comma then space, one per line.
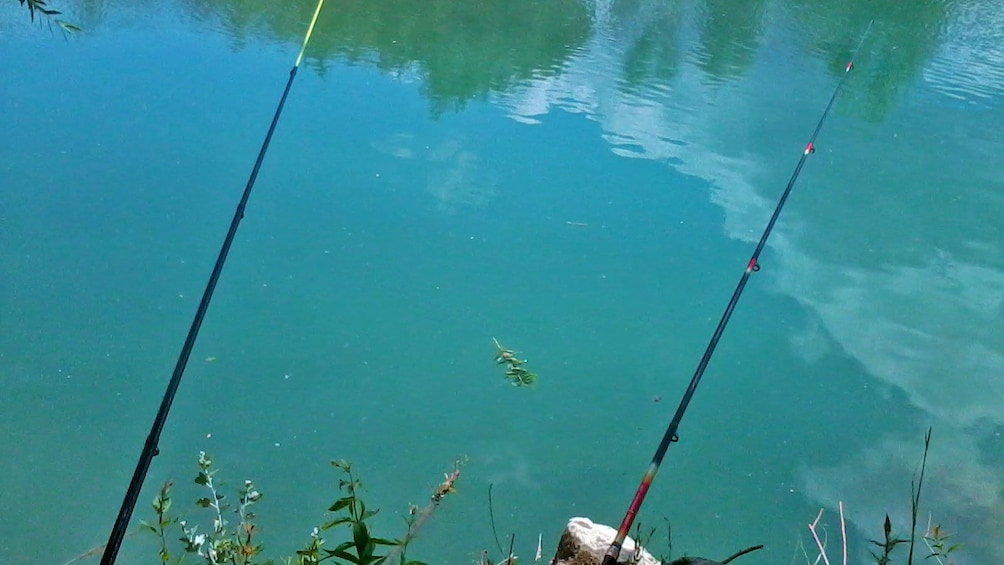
x=384, y=541
x=161, y=504
x=336, y=522
x=360, y=536
x=204, y=502
x=342, y=555
x=340, y=503
x=202, y=479
x=143, y=524
x=369, y=514
x=341, y=547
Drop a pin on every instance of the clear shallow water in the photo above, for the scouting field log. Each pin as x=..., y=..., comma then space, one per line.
x=415, y=203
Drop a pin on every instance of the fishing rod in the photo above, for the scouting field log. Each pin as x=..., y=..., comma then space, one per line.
x=150, y=448
x=670, y=436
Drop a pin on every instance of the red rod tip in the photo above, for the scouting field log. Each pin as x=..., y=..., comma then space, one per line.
x=850, y=65
x=809, y=148
x=751, y=264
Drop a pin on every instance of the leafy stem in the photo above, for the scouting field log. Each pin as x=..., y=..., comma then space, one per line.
x=241, y=545
x=161, y=506
x=43, y=8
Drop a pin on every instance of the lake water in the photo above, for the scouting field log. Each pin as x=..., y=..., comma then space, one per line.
x=584, y=181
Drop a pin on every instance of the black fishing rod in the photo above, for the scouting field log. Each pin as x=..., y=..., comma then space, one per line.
x=670, y=436
x=150, y=449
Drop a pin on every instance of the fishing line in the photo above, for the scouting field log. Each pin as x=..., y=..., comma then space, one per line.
x=670, y=436
x=150, y=449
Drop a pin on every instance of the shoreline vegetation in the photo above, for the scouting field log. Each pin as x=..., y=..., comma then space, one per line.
x=346, y=536
x=935, y=537
x=233, y=536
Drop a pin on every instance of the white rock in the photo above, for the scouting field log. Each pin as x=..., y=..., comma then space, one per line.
x=585, y=543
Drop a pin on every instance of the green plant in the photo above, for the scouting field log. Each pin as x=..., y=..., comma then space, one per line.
x=936, y=538
x=221, y=545
x=891, y=541
x=888, y=544
x=667, y=555
x=351, y=512
x=161, y=505
x=417, y=517
x=915, y=495
x=41, y=7
x=241, y=546
x=515, y=372
x=642, y=538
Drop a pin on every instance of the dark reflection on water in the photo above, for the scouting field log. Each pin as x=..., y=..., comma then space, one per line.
x=730, y=33
x=459, y=51
x=903, y=38
x=650, y=33
x=467, y=51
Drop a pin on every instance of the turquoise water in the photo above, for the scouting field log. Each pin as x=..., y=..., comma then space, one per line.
x=584, y=181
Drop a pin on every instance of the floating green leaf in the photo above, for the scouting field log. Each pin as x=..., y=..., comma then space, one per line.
x=515, y=372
